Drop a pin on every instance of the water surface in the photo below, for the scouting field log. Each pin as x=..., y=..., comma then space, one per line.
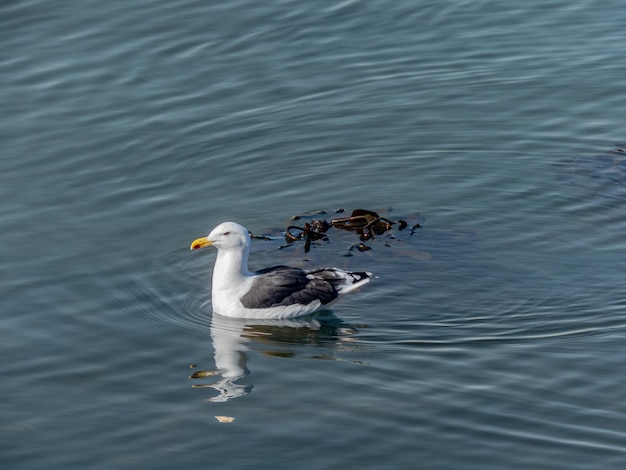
x=492, y=338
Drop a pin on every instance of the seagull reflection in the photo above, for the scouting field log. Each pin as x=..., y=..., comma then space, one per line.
x=232, y=338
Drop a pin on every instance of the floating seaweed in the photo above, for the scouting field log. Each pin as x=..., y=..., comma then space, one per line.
x=316, y=230
x=359, y=247
x=366, y=224
x=308, y=214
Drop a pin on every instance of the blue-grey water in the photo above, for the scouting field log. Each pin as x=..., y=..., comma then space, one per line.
x=494, y=337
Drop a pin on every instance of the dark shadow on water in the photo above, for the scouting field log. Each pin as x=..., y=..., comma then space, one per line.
x=233, y=338
x=596, y=175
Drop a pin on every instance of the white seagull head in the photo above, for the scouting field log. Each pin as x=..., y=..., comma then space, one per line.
x=226, y=236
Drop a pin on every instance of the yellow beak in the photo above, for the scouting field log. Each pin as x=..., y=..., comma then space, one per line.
x=200, y=243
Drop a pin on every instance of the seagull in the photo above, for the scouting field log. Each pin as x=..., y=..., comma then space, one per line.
x=273, y=293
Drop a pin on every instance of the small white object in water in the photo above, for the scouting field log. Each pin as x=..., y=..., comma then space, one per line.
x=225, y=419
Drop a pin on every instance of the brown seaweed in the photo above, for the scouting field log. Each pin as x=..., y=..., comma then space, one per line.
x=367, y=224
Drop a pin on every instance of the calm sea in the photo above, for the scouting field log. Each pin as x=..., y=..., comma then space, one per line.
x=492, y=337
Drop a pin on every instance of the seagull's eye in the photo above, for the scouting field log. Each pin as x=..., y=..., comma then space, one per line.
x=227, y=233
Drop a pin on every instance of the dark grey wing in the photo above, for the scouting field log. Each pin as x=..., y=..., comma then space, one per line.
x=283, y=286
